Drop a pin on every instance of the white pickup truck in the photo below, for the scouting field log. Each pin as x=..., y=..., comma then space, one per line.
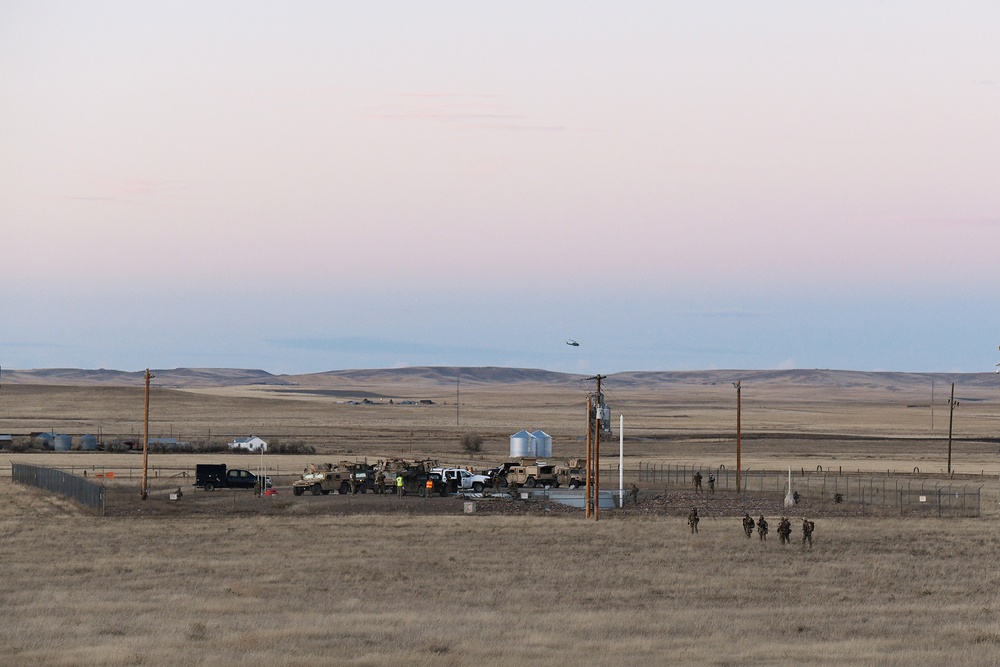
x=462, y=480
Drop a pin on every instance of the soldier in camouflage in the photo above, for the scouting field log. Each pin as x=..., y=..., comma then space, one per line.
x=785, y=530
x=807, y=532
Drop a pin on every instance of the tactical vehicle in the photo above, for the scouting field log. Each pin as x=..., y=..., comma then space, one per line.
x=573, y=474
x=322, y=479
x=527, y=472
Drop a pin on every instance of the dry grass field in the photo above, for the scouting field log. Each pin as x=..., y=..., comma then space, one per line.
x=336, y=580
x=367, y=589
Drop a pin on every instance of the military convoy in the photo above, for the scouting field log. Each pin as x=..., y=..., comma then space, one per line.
x=349, y=477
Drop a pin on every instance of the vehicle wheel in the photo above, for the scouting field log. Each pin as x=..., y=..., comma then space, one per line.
x=210, y=487
x=478, y=487
x=316, y=489
x=574, y=484
x=530, y=482
x=362, y=489
x=502, y=483
x=345, y=488
x=297, y=490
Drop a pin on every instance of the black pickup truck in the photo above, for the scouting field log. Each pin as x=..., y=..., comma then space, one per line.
x=211, y=476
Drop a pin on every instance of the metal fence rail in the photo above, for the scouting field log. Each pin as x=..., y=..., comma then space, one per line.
x=908, y=494
x=51, y=479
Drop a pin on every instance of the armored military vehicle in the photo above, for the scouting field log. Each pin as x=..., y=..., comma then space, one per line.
x=527, y=472
x=322, y=479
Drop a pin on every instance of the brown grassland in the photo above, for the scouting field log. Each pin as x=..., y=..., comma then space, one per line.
x=376, y=581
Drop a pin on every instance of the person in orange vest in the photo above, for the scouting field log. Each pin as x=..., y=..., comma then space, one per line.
x=430, y=487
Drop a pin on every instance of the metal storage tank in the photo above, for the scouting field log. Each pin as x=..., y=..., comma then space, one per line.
x=88, y=443
x=521, y=445
x=62, y=442
x=542, y=444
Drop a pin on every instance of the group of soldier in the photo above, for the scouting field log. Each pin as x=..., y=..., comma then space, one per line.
x=784, y=529
x=749, y=525
x=711, y=483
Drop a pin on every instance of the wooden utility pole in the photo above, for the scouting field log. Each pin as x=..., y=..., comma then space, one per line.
x=597, y=449
x=145, y=440
x=587, y=486
x=951, y=419
x=739, y=465
x=595, y=405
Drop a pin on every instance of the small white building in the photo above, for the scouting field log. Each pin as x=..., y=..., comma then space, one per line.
x=251, y=444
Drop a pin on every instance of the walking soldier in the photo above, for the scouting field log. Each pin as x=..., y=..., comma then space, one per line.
x=762, y=528
x=807, y=532
x=693, y=519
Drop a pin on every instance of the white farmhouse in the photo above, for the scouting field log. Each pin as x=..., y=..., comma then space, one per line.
x=251, y=444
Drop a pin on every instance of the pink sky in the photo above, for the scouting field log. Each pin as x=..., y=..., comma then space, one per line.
x=646, y=148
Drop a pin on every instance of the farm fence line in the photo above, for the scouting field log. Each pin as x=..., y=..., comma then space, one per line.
x=907, y=494
x=76, y=488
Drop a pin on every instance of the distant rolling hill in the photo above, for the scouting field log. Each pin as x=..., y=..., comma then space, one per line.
x=192, y=378
x=176, y=377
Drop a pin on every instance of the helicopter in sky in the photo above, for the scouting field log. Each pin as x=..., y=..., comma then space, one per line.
x=572, y=343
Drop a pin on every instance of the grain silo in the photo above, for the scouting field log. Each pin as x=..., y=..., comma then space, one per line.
x=521, y=445
x=62, y=442
x=541, y=444
x=88, y=443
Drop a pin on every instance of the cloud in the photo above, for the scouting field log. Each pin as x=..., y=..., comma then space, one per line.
x=466, y=111
x=126, y=190
x=32, y=345
x=950, y=223
x=727, y=313
x=373, y=345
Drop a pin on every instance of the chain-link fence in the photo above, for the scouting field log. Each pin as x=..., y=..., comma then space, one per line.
x=51, y=479
x=907, y=494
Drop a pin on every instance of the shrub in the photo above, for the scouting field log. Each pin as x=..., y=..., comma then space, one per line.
x=472, y=443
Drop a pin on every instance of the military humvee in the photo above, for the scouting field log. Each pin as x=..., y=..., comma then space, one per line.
x=573, y=474
x=322, y=479
x=528, y=473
